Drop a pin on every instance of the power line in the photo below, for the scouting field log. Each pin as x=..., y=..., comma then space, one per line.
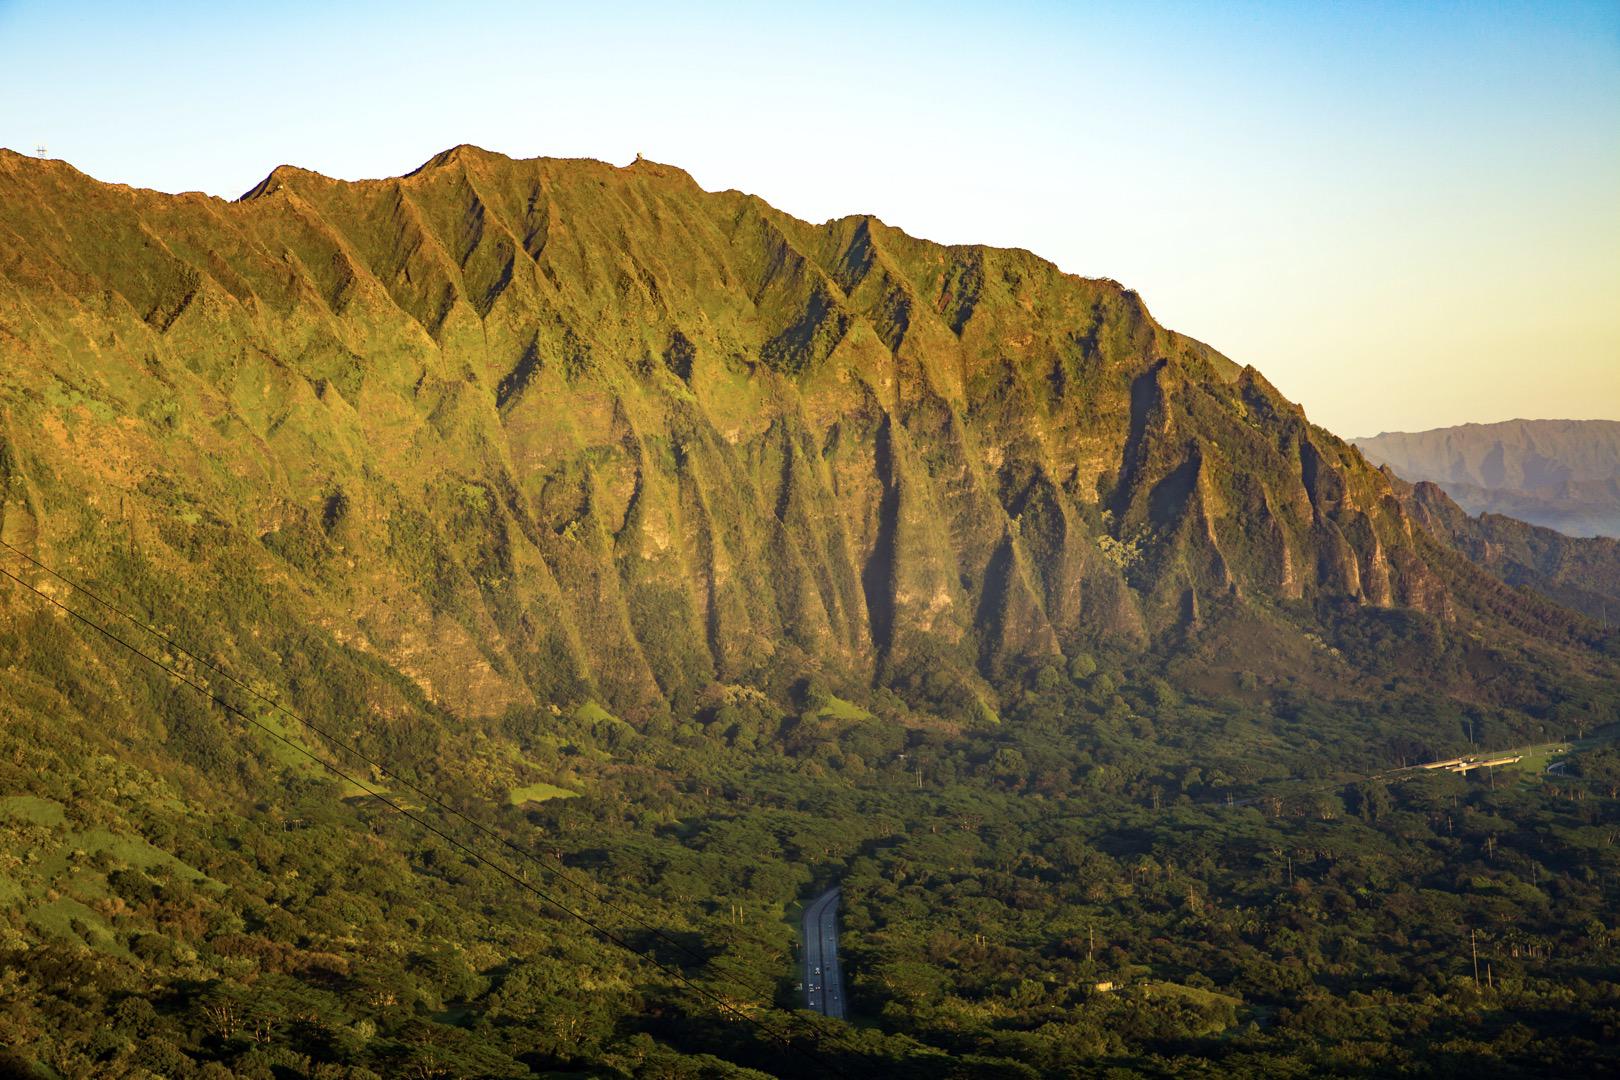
x=466, y=849
x=557, y=866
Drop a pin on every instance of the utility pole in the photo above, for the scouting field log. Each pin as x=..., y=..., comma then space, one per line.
x=1091, y=942
x=1473, y=944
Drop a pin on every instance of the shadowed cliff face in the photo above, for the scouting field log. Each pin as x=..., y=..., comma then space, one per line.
x=524, y=428
x=1580, y=573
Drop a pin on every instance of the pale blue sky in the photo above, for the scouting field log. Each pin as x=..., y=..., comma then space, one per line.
x=1406, y=215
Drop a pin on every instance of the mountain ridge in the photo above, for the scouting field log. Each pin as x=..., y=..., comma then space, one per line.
x=1562, y=474
x=602, y=431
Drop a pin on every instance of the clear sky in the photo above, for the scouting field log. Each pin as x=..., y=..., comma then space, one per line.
x=1407, y=215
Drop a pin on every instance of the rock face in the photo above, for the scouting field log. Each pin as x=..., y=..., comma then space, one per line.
x=523, y=428
x=1561, y=474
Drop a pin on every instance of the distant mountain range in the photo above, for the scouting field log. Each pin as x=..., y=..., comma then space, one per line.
x=1562, y=474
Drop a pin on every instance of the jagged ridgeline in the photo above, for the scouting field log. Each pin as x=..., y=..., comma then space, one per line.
x=519, y=430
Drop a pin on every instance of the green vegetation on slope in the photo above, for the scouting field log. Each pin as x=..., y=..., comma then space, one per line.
x=1583, y=574
x=793, y=553
x=535, y=431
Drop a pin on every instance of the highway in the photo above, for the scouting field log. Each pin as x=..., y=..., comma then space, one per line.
x=823, y=986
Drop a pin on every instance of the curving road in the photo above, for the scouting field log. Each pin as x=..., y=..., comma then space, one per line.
x=823, y=986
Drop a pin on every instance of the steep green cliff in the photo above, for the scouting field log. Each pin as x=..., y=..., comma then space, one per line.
x=524, y=430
